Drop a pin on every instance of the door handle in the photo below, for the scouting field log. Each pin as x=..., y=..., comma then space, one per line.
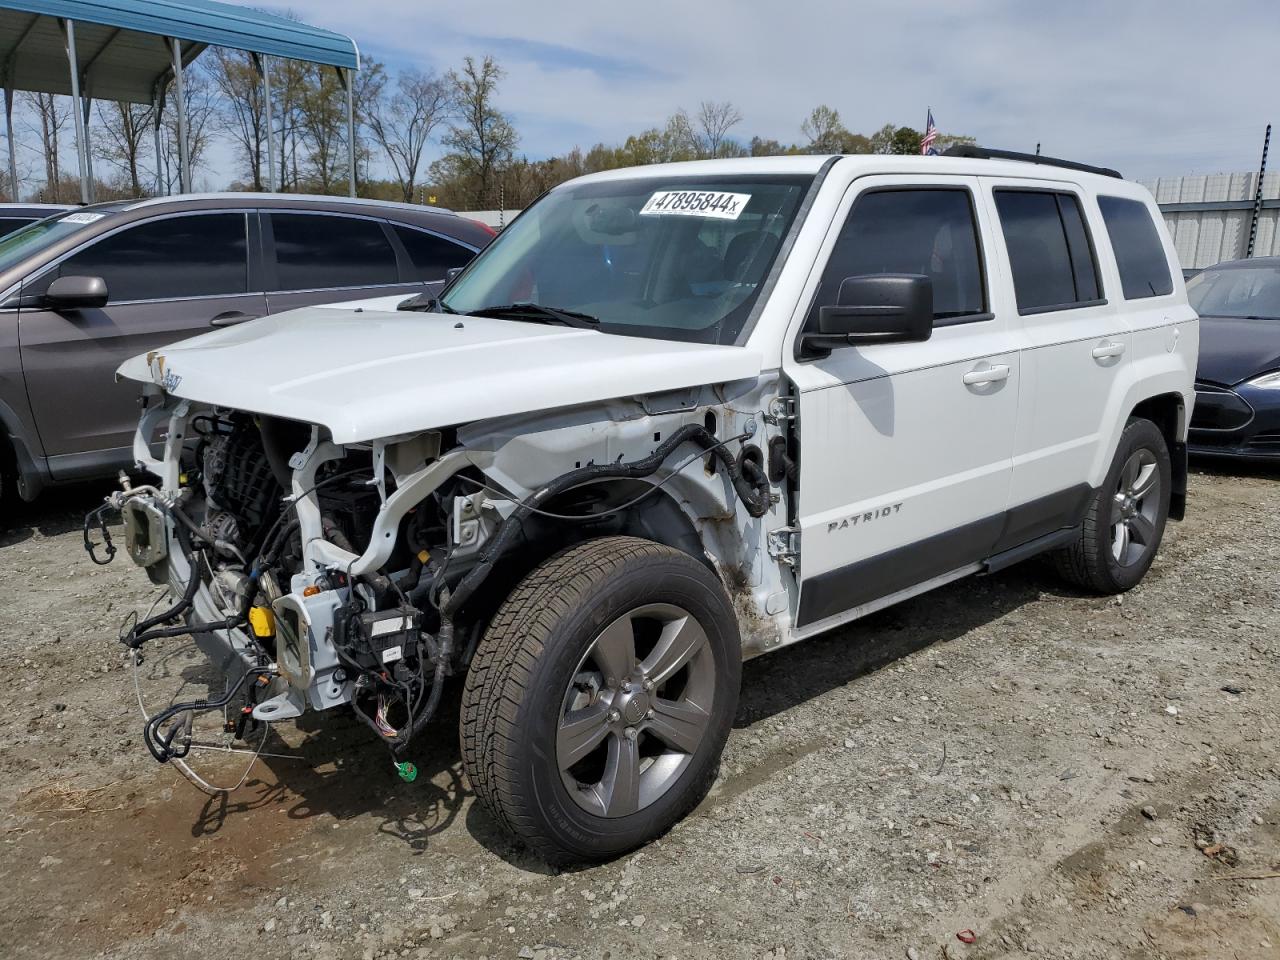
x=993, y=374
x=1108, y=348
x=230, y=318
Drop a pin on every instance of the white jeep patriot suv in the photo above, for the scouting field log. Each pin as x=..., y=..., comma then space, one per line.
x=672, y=418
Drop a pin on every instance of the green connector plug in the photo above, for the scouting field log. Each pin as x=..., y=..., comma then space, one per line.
x=408, y=772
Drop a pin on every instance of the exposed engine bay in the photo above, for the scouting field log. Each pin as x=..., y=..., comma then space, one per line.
x=315, y=575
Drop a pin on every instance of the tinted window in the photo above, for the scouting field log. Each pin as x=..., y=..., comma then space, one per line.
x=315, y=252
x=1144, y=271
x=1050, y=253
x=10, y=224
x=929, y=232
x=430, y=255
x=196, y=256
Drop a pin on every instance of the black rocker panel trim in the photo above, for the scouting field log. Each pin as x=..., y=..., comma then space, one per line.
x=836, y=591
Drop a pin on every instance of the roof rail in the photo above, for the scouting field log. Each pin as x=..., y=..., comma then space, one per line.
x=974, y=152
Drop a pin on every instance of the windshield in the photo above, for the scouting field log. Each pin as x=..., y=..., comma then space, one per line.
x=35, y=237
x=1236, y=292
x=677, y=259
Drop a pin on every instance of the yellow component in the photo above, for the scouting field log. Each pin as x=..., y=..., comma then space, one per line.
x=182, y=479
x=263, y=622
x=423, y=556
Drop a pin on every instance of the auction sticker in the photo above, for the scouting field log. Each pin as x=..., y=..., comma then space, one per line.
x=83, y=217
x=696, y=203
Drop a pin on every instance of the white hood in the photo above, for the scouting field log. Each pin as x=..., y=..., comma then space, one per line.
x=380, y=373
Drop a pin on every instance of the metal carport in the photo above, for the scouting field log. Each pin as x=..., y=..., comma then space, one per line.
x=129, y=50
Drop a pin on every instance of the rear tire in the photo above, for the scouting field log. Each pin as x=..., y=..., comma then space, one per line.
x=8, y=486
x=600, y=699
x=1126, y=516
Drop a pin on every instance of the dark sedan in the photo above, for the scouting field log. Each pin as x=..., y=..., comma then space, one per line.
x=1237, y=412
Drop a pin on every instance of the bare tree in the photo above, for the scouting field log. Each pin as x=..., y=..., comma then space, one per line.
x=202, y=108
x=243, y=110
x=715, y=120
x=126, y=134
x=402, y=124
x=52, y=114
x=482, y=138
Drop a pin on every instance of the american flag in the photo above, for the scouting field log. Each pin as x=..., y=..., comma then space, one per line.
x=930, y=135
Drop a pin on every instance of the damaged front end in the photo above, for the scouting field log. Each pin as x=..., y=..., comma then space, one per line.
x=314, y=575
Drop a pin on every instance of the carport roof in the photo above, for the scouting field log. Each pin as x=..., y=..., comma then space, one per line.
x=122, y=44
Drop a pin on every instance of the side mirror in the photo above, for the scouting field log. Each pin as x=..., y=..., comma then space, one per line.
x=878, y=308
x=74, y=293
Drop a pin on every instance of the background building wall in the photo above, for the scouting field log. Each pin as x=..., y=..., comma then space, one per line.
x=1208, y=216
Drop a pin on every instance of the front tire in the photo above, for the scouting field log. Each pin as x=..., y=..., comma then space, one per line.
x=600, y=699
x=1125, y=519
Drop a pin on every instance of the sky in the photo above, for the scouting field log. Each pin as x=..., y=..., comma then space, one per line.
x=1151, y=88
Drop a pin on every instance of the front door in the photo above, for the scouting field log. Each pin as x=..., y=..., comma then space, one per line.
x=905, y=449
x=167, y=280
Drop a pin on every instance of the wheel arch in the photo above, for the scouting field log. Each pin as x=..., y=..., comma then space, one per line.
x=1169, y=413
x=658, y=518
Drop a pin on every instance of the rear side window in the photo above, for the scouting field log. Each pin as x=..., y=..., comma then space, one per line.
x=929, y=232
x=318, y=252
x=1144, y=270
x=1050, y=252
x=432, y=256
x=170, y=259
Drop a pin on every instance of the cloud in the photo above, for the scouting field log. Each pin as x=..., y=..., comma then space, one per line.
x=1150, y=87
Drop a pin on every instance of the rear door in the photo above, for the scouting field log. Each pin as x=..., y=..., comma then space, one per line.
x=167, y=279
x=1075, y=347
x=905, y=449
x=328, y=257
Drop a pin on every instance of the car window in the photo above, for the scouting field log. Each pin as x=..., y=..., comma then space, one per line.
x=931, y=232
x=1144, y=269
x=1050, y=252
x=674, y=258
x=169, y=259
x=317, y=252
x=10, y=224
x=1237, y=292
x=432, y=256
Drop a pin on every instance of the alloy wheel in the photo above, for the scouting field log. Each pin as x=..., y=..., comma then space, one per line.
x=1135, y=508
x=636, y=711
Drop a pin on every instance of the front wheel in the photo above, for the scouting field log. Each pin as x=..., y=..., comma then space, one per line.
x=1125, y=520
x=600, y=699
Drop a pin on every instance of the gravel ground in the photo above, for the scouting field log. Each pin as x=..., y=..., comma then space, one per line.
x=1062, y=775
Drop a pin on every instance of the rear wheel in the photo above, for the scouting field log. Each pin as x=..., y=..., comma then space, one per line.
x=600, y=699
x=1125, y=520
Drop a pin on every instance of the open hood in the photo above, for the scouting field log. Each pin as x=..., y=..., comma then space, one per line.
x=368, y=374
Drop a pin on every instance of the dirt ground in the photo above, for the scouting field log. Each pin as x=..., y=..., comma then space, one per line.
x=1062, y=775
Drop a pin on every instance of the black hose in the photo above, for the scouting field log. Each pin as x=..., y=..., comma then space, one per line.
x=162, y=748
x=754, y=494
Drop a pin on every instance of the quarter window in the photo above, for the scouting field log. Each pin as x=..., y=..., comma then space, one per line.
x=1144, y=270
x=432, y=257
x=318, y=252
x=931, y=232
x=1050, y=252
x=170, y=259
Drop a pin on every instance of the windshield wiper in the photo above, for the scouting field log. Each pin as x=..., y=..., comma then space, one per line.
x=537, y=313
x=425, y=303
